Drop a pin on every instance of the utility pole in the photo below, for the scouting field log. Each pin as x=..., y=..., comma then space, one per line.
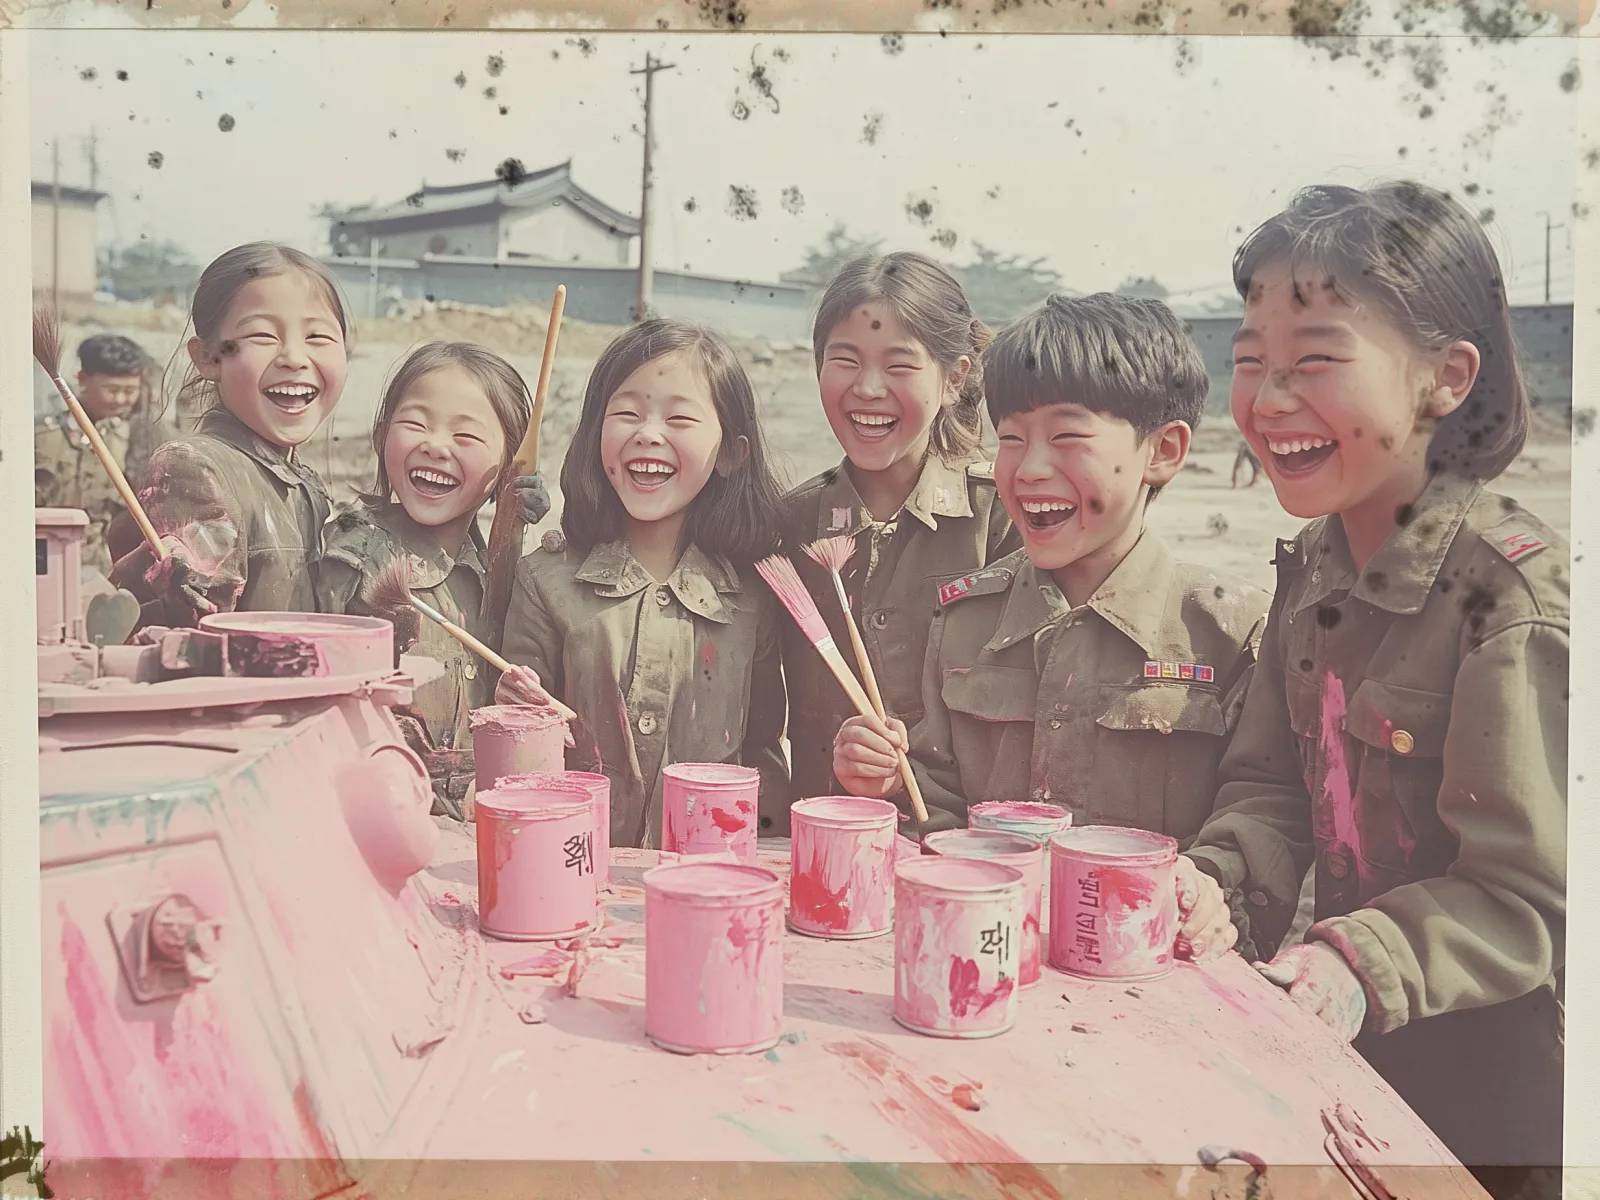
x=651, y=66
x=372, y=278
x=55, y=224
x=1548, y=227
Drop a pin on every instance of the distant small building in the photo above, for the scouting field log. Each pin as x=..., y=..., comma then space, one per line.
x=67, y=234
x=543, y=215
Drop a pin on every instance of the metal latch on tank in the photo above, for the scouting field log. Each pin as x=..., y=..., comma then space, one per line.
x=166, y=946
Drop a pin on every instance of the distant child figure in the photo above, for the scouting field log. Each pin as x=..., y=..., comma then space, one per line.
x=647, y=617
x=1091, y=668
x=449, y=422
x=116, y=387
x=1245, y=458
x=897, y=354
x=238, y=510
x=1406, y=730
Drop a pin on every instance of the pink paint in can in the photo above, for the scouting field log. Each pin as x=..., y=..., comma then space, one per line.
x=1010, y=850
x=713, y=957
x=957, y=935
x=841, y=882
x=1113, y=902
x=1041, y=822
x=600, y=789
x=536, y=873
x=708, y=808
x=515, y=739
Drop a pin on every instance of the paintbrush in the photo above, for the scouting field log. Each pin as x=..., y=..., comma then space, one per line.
x=831, y=554
x=505, y=533
x=390, y=593
x=785, y=583
x=47, y=351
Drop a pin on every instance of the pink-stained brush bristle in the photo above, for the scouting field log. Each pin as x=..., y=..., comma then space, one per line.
x=831, y=554
x=785, y=583
x=47, y=339
x=389, y=592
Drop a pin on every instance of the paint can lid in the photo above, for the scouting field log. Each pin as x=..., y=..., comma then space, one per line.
x=542, y=802
x=984, y=843
x=845, y=812
x=712, y=776
x=597, y=786
x=958, y=876
x=1115, y=844
x=712, y=882
x=514, y=716
x=1018, y=812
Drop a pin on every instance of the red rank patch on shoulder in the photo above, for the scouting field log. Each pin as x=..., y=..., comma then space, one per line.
x=1519, y=545
x=955, y=589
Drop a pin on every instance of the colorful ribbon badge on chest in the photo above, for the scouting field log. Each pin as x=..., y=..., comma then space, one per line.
x=1190, y=672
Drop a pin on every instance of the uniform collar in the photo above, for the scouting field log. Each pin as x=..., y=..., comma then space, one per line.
x=941, y=491
x=225, y=427
x=1033, y=602
x=430, y=565
x=1403, y=571
x=700, y=581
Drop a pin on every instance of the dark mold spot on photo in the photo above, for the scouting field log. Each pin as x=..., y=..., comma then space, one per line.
x=892, y=43
x=1307, y=665
x=920, y=210
x=1582, y=422
x=1404, y=515
x=489, y=93
x=461, y=79
x=793, y=201
x=122, y=77
x=871, y=129
x=225, y=123
x=1569, y=78
x=414, y=199
x=455, y=155
x=155, y=159
x=584, y=46
x=742, y=203
x=495, y=65
x=741, y=110
x=730, y=14
x=504, y=110
x=690, y=205
x=1377, y=580
x=88, y=74
x=946, y=239
x=511, y=172
x=1328, y=616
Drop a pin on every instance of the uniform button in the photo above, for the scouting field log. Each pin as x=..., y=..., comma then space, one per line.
x=1316, y=577
x=647, y=724
x=662, y=596
x=1402, y=742
x=1289, y=546
x=1338, y=865
x=470, y=669
x=1259, y=899
x=880, y=619
x=1055, y=724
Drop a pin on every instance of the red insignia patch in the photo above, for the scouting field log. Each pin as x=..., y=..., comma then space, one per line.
x=1204, y=674
x=1185, y=670
x=1519, y=545
x=1152, y=670
x=955, y=589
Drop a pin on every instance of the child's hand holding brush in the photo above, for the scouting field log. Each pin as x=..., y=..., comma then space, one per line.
x=866, y=762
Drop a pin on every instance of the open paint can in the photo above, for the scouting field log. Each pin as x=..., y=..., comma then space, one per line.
x=841, y=863
x=1113, y=902
x=536, y=868
x=957, y=945
x=1041, y=822
x=708, y=808
x=1011, y=850
x=515, y=739
x=713, y=957
x=600, y=789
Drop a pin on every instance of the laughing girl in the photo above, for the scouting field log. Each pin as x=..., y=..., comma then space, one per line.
x=647, y=618
x=449, y=422
x=1406, y=729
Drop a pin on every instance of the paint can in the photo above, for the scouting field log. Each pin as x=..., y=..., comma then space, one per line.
x=841, y=864
x=1113, y=902
x=600, y=789
x=1011, y=850
x=515, y=739
x=1041, y=822
x=536, y=871
x=957, y=944
x=708, y=808
x=713, y=957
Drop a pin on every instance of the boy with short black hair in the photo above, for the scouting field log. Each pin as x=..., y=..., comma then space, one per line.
x=1090, y=668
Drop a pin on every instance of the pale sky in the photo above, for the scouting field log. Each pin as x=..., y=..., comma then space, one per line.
x=1108, y=156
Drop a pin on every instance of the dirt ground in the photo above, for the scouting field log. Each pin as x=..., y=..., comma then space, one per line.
x=1200, y=514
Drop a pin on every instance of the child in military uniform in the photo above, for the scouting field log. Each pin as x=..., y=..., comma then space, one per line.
x=1090, y=668
x=1406, y=730
x=897, y=352
x=648, y=618
x=450, y=420
x=115, y=387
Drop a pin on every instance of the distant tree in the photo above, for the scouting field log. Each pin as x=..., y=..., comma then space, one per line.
x=1143, y=285
x=150, y=270
x=1002, y=287
x=822, y=262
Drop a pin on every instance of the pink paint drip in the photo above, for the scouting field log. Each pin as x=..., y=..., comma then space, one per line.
x=1338, y=823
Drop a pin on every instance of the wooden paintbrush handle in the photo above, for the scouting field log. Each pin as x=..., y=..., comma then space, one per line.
x=841, y=672
x=482, y=651
x=110, y=464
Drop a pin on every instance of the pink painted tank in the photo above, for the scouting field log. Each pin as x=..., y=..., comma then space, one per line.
x=842, y=853
x=1113, y=902
x=713, y=957
x=1041, y=822
x=1011, y=850
x=279, y=644
x=710, y=807
x=515, y=739
x=957, y=946
x=599, y=788
x=536, y=870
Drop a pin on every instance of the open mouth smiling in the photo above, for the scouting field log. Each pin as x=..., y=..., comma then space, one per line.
x=1300, y=455
x=650, y=474
x=292, y=398
x=1043, y=515
x=430, y=481
x=872, y=426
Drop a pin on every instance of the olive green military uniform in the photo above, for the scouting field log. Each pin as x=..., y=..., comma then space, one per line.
x=252, y=513
x=1407, y=731
x=659, y=673
x=358, y=543
x=951, y=524
x=1118, y=710
x=67, y=473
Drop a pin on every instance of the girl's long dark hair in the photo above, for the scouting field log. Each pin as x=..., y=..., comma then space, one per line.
x=735, y=515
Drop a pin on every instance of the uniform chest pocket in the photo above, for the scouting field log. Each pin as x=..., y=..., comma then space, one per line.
x=1164, y=708
x=1154, y=757
x=1402, y=733
x=991, y=693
